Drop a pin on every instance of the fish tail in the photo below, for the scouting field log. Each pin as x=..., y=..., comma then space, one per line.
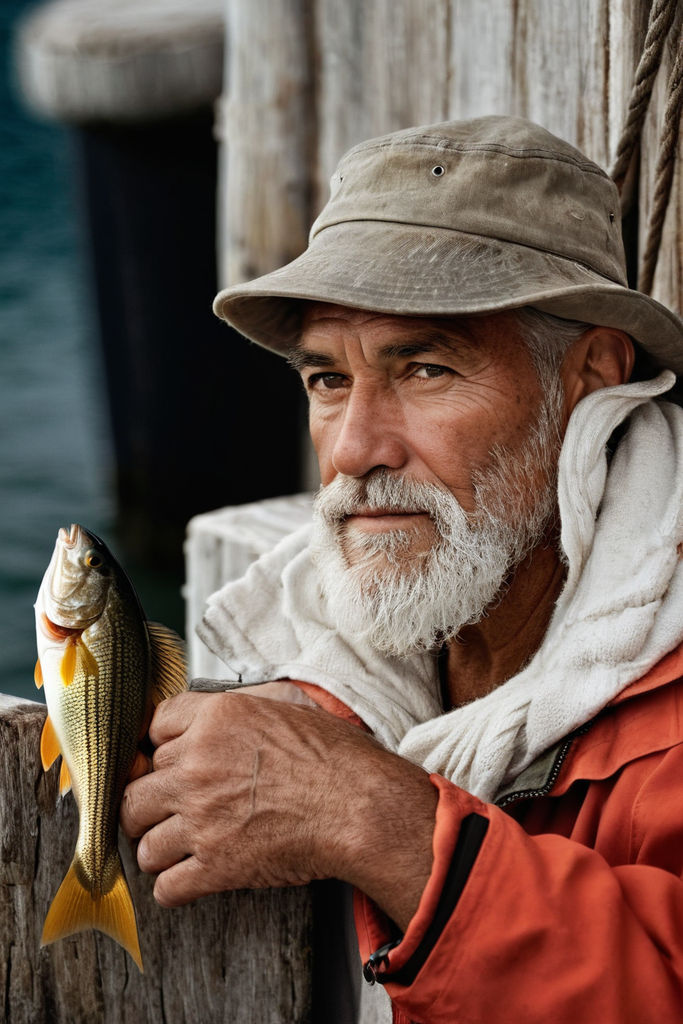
x=74, y=909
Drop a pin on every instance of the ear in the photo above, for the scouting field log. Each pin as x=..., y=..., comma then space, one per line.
x=601, y=358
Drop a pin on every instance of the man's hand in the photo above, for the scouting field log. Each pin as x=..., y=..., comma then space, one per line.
x=249, y=792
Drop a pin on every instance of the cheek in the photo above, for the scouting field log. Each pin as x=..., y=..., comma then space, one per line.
x=322, y=436
x=445, y=450
x=453, y=447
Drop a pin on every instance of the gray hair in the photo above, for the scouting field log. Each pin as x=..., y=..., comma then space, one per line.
x=548, y=338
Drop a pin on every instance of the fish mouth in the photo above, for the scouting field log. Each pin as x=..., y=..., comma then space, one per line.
x=69, y=604
x=71, y=538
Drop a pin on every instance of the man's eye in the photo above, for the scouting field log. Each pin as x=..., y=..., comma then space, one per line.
x=430, y=370
x=326, y=381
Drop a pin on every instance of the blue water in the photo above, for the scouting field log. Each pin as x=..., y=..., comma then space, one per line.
x=55, y=457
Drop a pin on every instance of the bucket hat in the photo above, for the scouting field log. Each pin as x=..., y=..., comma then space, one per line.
x=461, y=218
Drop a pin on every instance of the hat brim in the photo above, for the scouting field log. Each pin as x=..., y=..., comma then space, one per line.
x=409, y=270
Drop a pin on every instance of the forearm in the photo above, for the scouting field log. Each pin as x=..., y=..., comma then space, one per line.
x=383, y=846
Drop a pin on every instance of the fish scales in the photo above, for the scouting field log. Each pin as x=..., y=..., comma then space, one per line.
x=103, y=748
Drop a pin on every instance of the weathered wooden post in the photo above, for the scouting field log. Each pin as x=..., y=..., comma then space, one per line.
x=227, y=959
x=389, y=64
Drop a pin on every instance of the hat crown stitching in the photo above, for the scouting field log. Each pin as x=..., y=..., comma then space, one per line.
x=382, y=180
x=497, y=148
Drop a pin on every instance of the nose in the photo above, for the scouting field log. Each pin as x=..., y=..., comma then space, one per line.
x=369, y=435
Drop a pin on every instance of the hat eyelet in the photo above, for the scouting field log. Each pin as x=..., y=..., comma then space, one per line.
x=438, y=170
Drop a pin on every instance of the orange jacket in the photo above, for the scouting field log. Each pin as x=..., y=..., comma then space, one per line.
x=563, y=903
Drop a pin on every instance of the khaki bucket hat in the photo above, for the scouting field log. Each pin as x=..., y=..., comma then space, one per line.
x=461, y=218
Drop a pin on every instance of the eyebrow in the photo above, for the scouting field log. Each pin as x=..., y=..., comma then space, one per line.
x=301, y=357
x=418, y=342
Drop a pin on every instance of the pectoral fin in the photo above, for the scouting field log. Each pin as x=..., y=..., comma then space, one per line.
x=64, y=778
x=49, y=744
x=78, y=655
x=169, y=666
x=88, y=660
x=38, y=674
x=67, y=667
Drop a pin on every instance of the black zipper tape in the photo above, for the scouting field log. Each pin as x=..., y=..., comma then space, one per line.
x=472, y=831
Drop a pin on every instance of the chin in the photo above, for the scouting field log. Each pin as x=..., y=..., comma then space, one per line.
x=387, y=550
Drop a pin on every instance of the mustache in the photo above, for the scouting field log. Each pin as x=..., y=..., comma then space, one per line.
x=380, y=490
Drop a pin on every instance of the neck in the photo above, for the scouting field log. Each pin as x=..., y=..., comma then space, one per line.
x=487, y=654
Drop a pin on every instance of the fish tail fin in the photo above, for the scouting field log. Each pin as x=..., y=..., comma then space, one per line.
x=74, y=909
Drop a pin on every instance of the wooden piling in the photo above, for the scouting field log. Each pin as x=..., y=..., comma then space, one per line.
x=235, y=957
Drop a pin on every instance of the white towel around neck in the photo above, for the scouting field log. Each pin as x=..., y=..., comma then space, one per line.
x=620, y=610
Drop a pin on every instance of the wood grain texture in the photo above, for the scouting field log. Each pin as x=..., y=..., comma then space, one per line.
x=270, y=136
x=386, y=65
x=381, y=66
x=226, y=959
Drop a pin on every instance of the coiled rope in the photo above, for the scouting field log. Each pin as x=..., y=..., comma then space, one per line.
x=660, y=21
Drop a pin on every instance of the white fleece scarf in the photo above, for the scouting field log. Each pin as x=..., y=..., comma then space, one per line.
x=620, y=610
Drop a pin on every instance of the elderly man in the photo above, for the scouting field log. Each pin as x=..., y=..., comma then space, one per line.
x=492, y=590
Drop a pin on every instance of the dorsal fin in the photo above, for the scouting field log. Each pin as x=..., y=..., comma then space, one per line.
x=169, y=665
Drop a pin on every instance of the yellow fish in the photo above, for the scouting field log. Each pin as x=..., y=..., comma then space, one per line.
x=103, y=667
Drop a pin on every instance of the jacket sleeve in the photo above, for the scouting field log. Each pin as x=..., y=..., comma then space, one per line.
x=542, y=928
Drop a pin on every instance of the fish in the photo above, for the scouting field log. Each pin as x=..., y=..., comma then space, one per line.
x=103, y=667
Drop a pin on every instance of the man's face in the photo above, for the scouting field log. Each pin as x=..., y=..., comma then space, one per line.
x=427, y=399
x=437, y=456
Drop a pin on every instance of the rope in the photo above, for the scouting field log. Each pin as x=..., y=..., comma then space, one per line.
x=664, y=173
x=661, y=16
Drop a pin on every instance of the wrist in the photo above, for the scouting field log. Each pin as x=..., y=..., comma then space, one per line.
x=381, y=837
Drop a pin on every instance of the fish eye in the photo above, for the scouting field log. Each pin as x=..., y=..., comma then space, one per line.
x=93, y=559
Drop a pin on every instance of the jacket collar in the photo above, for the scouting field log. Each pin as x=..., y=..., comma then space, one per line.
x=647, y=716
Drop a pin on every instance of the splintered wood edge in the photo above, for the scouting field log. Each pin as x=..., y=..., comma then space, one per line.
x=8, y=704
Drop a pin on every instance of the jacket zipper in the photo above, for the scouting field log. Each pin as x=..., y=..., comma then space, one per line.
x=530, y=794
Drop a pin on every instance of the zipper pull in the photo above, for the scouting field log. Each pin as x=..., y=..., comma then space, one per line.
x=371, y=967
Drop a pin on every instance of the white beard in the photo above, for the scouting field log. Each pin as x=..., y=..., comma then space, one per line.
x=403, y=600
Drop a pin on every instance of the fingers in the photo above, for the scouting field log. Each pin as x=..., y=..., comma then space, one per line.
x=181, y=883
x=163, y=846
x=145, y=803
